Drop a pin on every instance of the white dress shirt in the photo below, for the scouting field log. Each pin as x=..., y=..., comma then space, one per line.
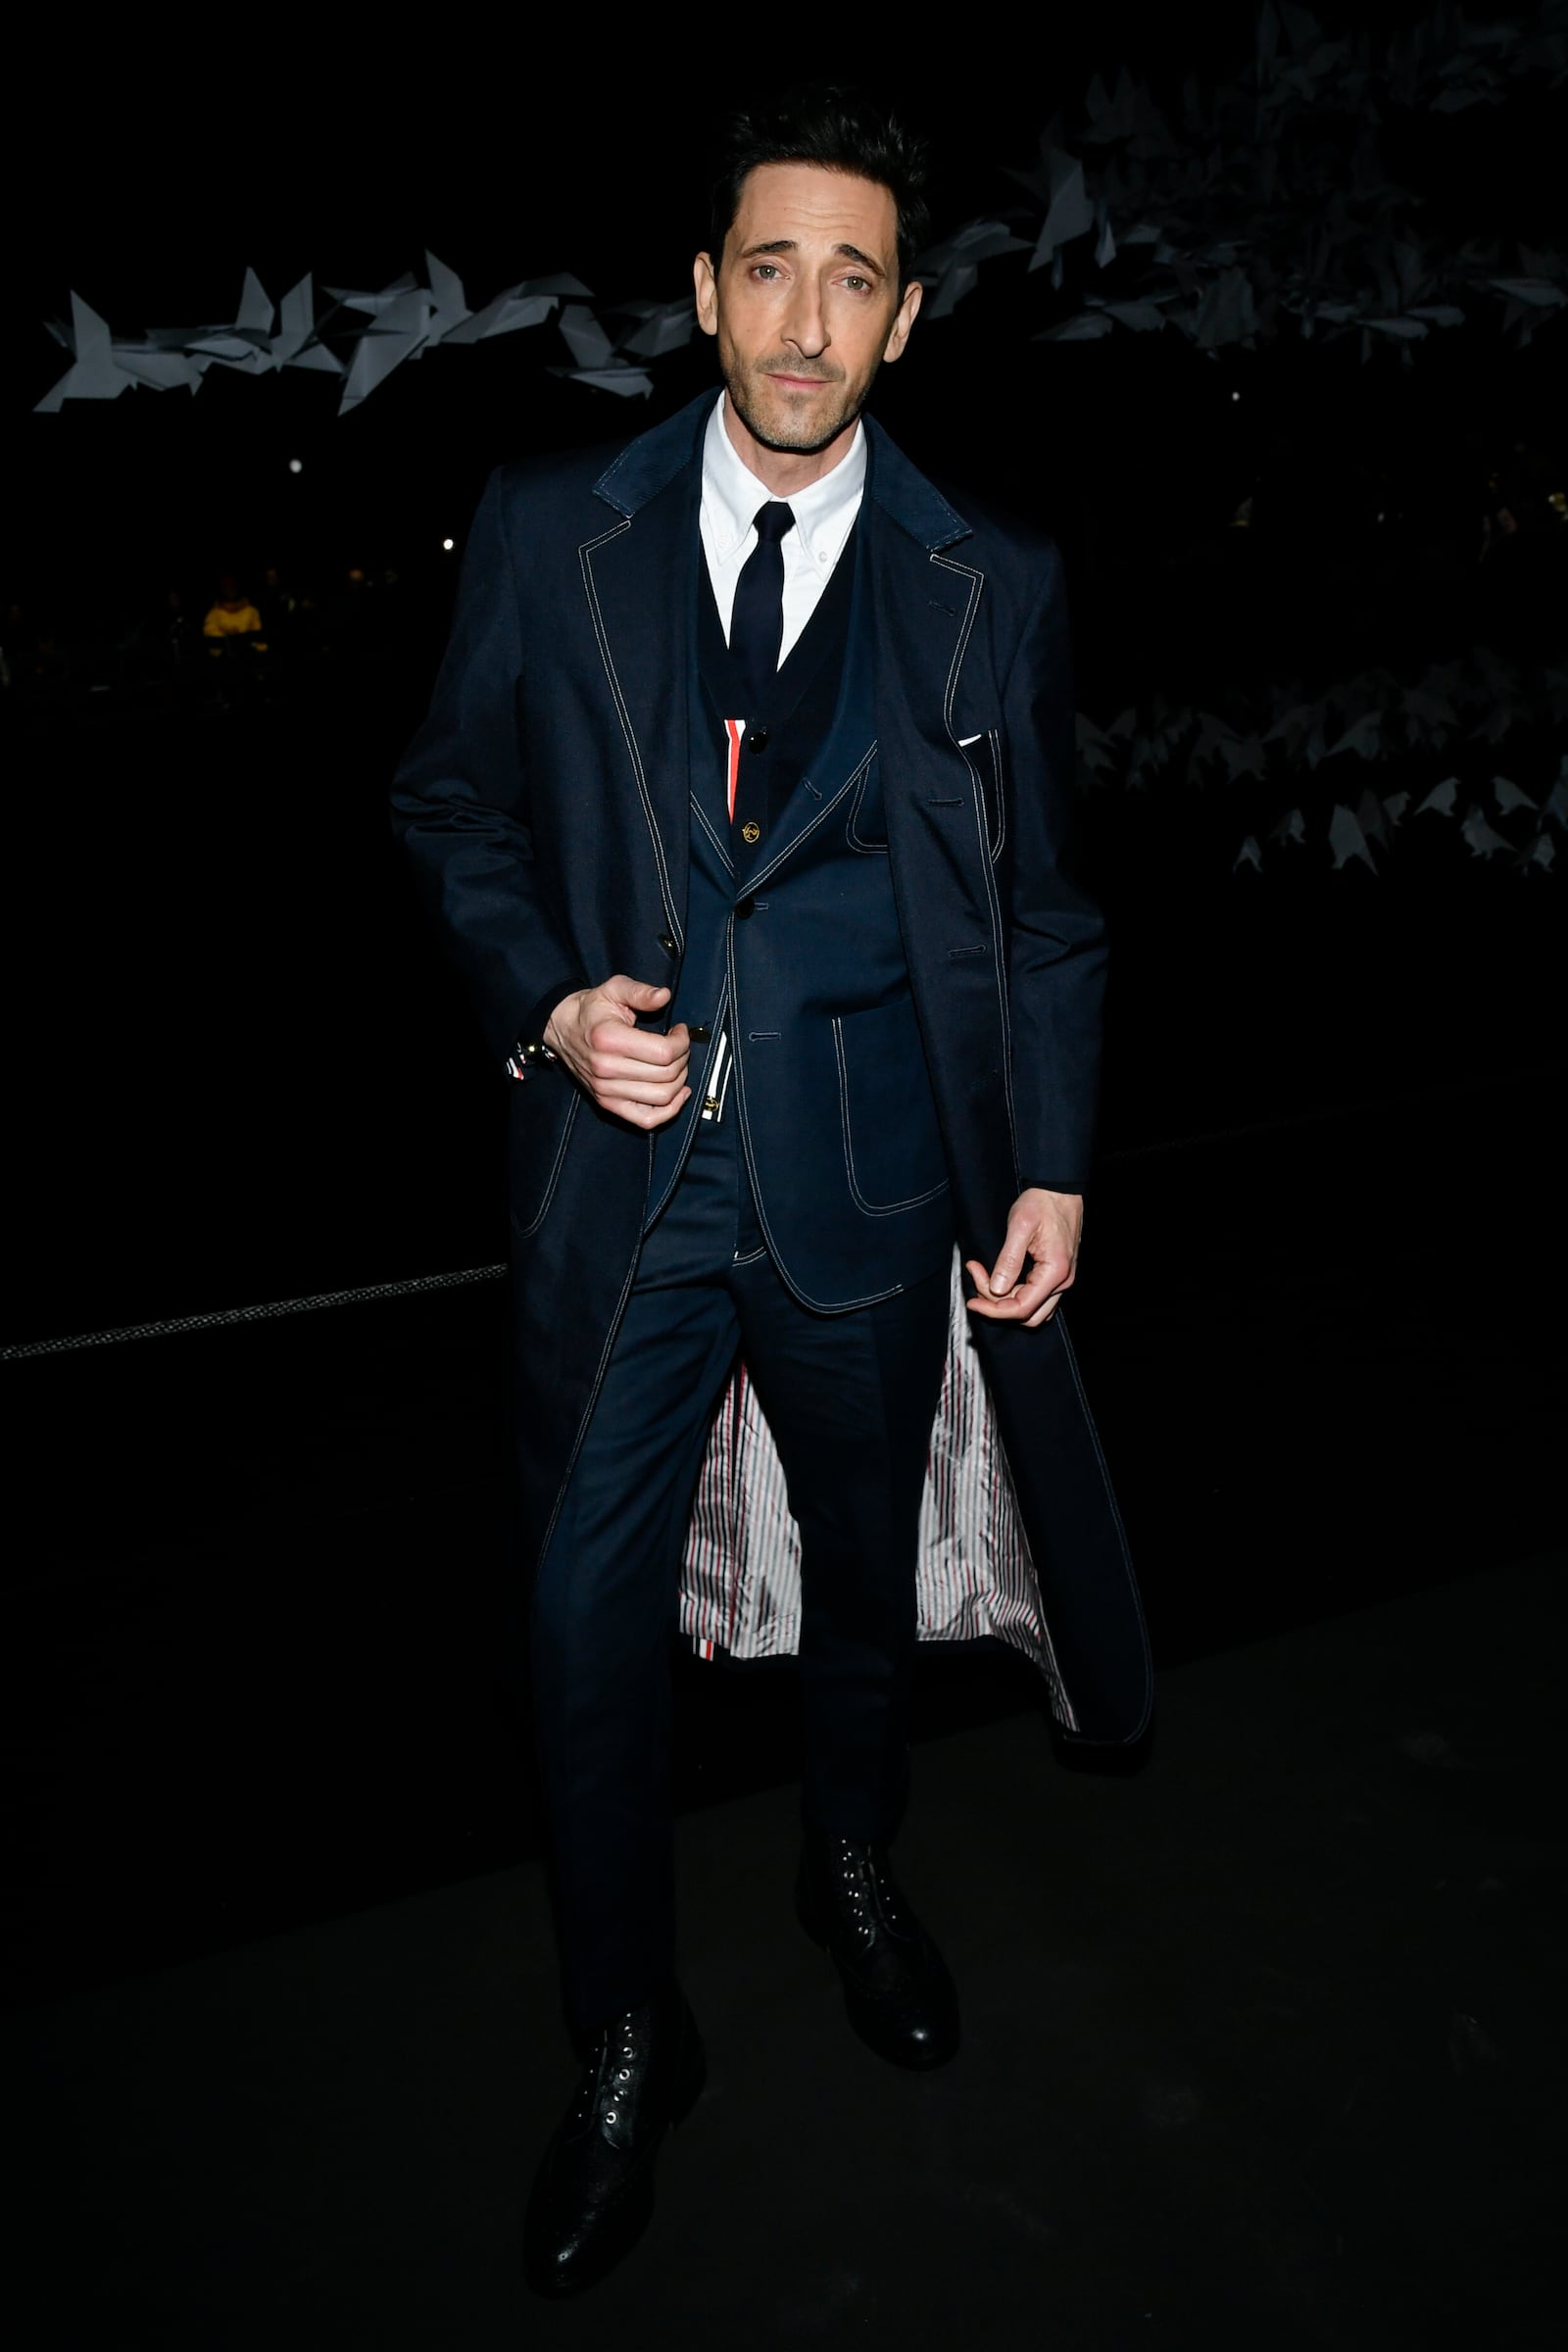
x=824, y=515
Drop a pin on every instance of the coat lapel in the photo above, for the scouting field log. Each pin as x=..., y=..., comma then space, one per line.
x=926, y=595
x=638, y=575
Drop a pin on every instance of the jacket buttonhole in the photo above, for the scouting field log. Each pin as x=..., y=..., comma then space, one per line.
x=811, y=788
x=941, y=801
x=980, y=951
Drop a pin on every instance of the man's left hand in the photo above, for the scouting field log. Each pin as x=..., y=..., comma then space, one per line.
x=1043, y=1228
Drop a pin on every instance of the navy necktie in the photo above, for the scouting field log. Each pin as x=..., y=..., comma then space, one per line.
x=757, y=621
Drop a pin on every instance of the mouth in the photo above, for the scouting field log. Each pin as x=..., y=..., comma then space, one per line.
x=800, y=383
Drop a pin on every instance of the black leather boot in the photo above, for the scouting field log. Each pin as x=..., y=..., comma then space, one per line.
x=897, y=1990
x=595, y=2189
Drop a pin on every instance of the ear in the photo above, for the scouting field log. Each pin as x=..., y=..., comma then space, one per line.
x=707, y=286
x=904, y=318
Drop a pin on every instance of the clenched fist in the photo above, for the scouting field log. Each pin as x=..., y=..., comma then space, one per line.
x=633, y=1073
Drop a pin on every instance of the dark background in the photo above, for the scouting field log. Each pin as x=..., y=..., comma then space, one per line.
x=262, y=1613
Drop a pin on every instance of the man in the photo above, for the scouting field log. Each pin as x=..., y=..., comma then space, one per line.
x=741, y=806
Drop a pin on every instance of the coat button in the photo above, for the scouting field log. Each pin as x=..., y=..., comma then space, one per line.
x=667, y=942
x=757, y=739
x=750, y=831
x=699, y=1033
x=744, y=907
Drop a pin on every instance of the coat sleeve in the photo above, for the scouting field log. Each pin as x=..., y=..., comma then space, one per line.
x=461, y=806
x=1057, y=974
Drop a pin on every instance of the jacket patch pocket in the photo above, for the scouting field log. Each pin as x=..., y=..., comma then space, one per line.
x=984, y=757
x=867, y=826
x=892, y=1143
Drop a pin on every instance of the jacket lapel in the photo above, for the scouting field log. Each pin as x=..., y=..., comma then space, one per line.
x=850, y=740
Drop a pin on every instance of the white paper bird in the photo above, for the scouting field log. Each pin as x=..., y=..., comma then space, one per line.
x=1482, y=840
x=1347, y=839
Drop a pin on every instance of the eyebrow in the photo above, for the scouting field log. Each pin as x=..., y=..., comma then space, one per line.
x=850, y=253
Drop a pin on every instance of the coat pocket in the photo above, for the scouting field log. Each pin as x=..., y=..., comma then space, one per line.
x=892, y=1143
x=542, y=1112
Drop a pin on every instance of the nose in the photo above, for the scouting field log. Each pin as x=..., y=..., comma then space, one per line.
x=806, y=327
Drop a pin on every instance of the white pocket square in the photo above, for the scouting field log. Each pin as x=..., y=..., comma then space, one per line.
x=965, y=741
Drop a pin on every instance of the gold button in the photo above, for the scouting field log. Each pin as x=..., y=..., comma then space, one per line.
x=751, y=830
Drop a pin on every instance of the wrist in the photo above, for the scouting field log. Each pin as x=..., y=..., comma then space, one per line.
x=554, y=1031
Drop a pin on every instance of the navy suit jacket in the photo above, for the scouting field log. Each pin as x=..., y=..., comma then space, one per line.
x=546, y=807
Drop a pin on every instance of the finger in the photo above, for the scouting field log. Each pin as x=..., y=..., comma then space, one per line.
x=642, y=994
x=609, y=1044
x=1029, y=1302
x=1009, y=1260
x=638, y=1078
x=619, y=1092
x=1046, y=1278
x=647, y=1115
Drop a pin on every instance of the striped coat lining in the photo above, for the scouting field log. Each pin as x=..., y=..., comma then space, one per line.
x=741, y=1582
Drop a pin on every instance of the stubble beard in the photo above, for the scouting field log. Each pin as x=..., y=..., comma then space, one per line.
x=801, y=441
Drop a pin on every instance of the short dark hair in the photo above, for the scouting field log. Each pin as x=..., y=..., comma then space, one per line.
x=840, y=128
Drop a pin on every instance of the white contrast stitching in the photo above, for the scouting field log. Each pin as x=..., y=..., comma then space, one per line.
x=593, y=1400
x=709, y=827
x=525, y=1231
x=891, y=1208
x=995, y=736
x=805, y=834
x=589, y=547
x=874, y=1298
x=693, y=1115
x=864, y=848
x=976, y=581
x=1116, y=1518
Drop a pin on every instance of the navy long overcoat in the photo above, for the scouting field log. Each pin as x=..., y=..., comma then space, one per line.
x=545, y=807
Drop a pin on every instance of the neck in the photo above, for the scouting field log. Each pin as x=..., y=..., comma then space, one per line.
x=784, y=471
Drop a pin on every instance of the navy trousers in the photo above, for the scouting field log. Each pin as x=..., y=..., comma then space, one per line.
x=850, y=1399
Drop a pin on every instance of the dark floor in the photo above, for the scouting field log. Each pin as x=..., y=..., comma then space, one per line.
x=1263, y=2048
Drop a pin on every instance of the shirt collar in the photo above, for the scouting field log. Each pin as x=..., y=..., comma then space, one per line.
x=732, y=493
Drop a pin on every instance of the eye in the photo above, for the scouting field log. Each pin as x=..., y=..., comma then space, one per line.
x=766, y=270
x=858, y=285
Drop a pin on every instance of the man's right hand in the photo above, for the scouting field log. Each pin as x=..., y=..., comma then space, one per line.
x=633, y=1073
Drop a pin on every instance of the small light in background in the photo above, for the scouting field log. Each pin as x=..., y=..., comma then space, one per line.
x=448, y=545
x=296, y=465
x=1236, y=396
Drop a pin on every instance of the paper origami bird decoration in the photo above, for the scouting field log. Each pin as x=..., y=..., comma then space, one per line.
x=360, y=334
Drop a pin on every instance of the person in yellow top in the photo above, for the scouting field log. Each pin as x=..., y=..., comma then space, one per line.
x=232, y=614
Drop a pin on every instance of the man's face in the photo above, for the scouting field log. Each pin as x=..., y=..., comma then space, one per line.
x=804, y=302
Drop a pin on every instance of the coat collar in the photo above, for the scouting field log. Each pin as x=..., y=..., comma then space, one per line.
x=650, y=463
